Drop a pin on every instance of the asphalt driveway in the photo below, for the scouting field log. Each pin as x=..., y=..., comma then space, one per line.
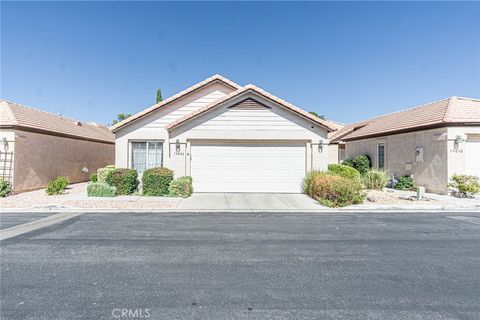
x=246, y=266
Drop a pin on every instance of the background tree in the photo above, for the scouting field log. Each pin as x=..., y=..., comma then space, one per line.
x=159, y=95
x=121, y=117
x=317, y=115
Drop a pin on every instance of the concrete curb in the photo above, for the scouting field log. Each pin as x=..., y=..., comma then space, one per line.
x=37, y=224
x=319, y=211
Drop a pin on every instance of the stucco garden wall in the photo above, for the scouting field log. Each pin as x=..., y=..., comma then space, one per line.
x=400, y=159
x=40, y=158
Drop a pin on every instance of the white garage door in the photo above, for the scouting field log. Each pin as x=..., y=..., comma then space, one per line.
x=248, y=167
x=472, y=158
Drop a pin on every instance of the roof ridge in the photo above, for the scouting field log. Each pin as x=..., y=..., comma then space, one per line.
x=175, y=97
x=58, y=115
x=399, y=111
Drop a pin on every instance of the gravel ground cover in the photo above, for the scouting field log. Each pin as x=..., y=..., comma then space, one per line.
x=76, y=197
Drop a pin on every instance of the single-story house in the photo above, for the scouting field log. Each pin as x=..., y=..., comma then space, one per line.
x=37, y=146
x=229, y=138
x=430, y=142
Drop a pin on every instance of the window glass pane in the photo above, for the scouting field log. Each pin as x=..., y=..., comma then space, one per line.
x=381, y=156
x=139, y=156
x=155, y=150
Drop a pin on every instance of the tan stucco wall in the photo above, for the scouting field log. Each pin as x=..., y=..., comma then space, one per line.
x=40, y=158
x=400, y=156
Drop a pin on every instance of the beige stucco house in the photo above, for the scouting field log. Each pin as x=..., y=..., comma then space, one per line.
x=431, y=142
x=37, y=146
x=229, y=138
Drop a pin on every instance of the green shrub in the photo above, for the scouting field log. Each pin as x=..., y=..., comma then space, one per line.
x=94, y=178
x=361, y=163
x=307, y=181
x=124, y=180
x=181, y=187
x=465, y=185
x=375, y=179
x=335, y=191
x=344, y=171
x=5, y=188
x=155, y=181
x=57, y=186
x=102, y=173
x=404, y=183
x=100, y=189
x=347, y=162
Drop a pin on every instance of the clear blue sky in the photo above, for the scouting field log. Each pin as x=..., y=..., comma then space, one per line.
x=349, y=61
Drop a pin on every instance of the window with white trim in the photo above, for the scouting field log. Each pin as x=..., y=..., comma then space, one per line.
x=146, y=155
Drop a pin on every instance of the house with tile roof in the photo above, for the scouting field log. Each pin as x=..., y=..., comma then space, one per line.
x=228, y=137
x=430, y=142
x=38, y=146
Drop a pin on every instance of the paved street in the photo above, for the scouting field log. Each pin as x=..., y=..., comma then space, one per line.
x=246, y=266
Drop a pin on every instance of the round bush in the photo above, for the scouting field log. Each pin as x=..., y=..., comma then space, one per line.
x=57, y=186
x=94, y=177
x=124, y=180
x=344, y=171
x=102, y=173
x=5, y=188
x=335, y=191
x=307, y=181
x=155, y=181
x=404, y=183
x=181, y=187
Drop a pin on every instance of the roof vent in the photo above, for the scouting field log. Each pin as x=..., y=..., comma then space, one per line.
x=78, y=123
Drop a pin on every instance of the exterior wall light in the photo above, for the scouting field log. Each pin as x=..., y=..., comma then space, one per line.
x=177, y=146
x=5, y=144
x=320, y=147
x=457, y=141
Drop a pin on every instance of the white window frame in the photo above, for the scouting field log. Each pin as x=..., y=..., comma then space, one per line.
x=130, y=151
x=377, y=144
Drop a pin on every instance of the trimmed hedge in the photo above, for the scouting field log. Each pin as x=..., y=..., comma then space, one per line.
x=345, y=172
x=5, y=188
x=94, y=177
x=404, y=183
x=335, y=191
x=57, y=186
x=155, y=181
x=102, y=173
x=375, y=179
x=100, y=189
x=124, y=180
x=361, y=163
x=181, y=187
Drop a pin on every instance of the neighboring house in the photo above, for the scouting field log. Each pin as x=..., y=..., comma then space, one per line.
x=431, y=142
x=37, y=146
x=229, y=138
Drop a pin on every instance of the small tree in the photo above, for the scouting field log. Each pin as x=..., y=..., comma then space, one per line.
x=121, y=117
x=317, y=115
x=159, y=96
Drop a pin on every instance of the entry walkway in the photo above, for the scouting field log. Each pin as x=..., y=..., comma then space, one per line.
x=249, y=201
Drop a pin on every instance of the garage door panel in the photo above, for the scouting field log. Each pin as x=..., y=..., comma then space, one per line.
x=243, y=167
x=472, y=158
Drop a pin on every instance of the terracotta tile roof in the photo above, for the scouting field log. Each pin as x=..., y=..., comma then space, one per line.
x=177, y=96
x=251, y=87
x=15, y=115
x=438, y=113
